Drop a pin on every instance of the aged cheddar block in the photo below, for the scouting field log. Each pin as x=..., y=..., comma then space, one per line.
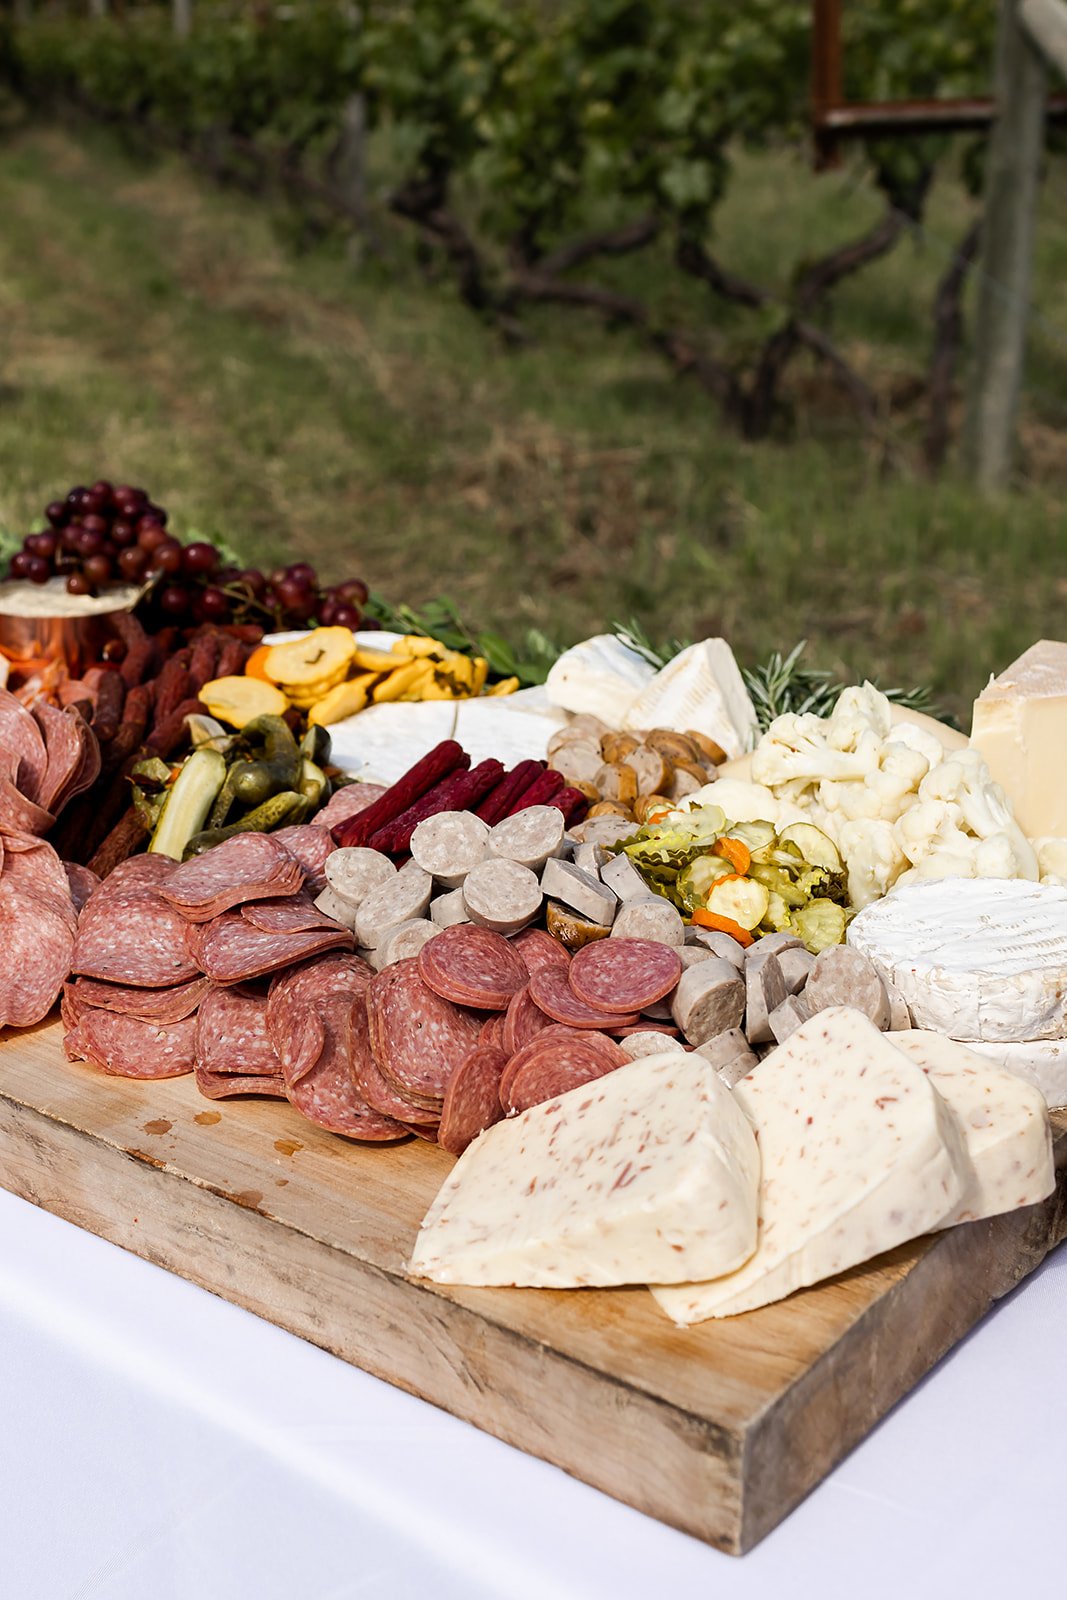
x=639, y=1175
x=1020, y=726
x=859, y=1153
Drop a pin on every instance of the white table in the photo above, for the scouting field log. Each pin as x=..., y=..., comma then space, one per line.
x=157, y=1443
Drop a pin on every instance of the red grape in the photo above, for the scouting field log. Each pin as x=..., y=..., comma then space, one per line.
x=19, y=562
x=104, y=489
x=90, y=543
x=69, y=537
x=74, y=497
x=327, y=614
x=78, y=583
x=152, y=510
x=133, y=563
x=303, y=573
x=167, y=557
x=254, y=580
x=214, y=606
x=174, y=600
x=303, y=611
x=93, y=522
x=355, y=591
x=278, y=576
x=93, y=504
x=42, y=544
x=345, y=616
x=123, y=532
x=57, y=513
x=150, y=536
x=292, y=593
x=369, y=625
x=125, y=495
x=199, y=559
x=99, y=569
x=38, y=570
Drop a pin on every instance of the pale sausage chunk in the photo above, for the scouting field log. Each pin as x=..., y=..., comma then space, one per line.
x=529, y=837
x=448, y=845
x=844, y=977
x=562, y=880
x=651, y=918
x=764, y=992
x=709, y=999
x=398, y=899
x=730, y=1055
x=448, y=909
x=859, y=1154
x=502, y=896
x=646, y=1171
x=354, y=872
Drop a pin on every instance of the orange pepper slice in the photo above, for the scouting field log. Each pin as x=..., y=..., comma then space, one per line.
x=254, y=666
x=735, y=851
x=711, y=919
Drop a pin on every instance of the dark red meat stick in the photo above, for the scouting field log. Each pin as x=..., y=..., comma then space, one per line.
x=494, y=808
x=539, y=793
x=460, y=791
x=435, y=765
x=572, y=802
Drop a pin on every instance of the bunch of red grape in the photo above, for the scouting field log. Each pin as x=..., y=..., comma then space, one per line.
x=108, y=535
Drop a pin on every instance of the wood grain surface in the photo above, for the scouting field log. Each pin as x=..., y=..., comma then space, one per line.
x=719, y=1430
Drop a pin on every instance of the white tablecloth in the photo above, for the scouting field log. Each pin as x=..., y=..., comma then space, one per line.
x=157, y=1443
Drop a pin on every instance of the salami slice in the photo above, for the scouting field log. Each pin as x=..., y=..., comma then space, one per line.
x=372, y=1086
x=142, y=872
x=296, y=913
x=163, y=1006
x=19, y=814
x=524, y=1020
x=538, y=949
x=472, y=1099
x=232, y=1037
x=472, y=967
x=20, y=738
x=129, y=935
x=38, y=921
x=248, y=866
x=348, y=802
x=294, y=1006
x=129, y=1048
x=427, y=1131
x=327, y=1095
x=648, y=1025
x=551, y=988
x=310, y=843
x=418, y=1038
x=227, y=1085
x=492, y=1031
x=82, y=882
x=593, y=1044
x=230, y=950
x=555, y=1066
x=65, y=735
x=616, y=975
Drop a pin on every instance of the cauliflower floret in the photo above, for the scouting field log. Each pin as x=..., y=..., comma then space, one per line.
x=997, y=857
x=795, y=746
x=964, y=779
x=860, y=710
x=873, y=857
x=920, y=740
x=943, y=864
x=888, y=789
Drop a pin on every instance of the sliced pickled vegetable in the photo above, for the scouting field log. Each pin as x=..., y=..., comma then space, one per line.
x=695, y=880
x=778, y=918
x=813, y=845
x=779, y=882
x=735, y=851
x=744, y=900
x=756, y=835
x=820, y=924
x=719, y=924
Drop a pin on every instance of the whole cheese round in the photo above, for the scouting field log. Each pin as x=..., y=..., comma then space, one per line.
x=975, y=958
x=1042, y=1062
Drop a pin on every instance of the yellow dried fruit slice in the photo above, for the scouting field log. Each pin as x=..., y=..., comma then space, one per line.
x=322, y=653
x=236, y=701
x=343, y=701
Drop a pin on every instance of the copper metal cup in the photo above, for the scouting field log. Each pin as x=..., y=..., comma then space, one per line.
x=77, y=641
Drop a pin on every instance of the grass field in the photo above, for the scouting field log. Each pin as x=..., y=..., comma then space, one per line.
x=157, y=330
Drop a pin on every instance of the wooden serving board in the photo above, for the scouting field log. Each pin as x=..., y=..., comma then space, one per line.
x=719, y=1430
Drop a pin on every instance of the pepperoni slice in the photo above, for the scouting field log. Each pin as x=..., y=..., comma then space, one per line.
x=228, y=1085
x=550, y=986
x=472, y=1099
x=151, y=1005
x=523, y=1021
x=554, y=1066
x=555, y=1033
x=372, y=1085
x=538, y=949
x=472, y=966
x=232, y=1037
x=418, y=1038
x=327, y=1095
x=231, y=950
x=248, y=866
x=129, y=1048
x=294, y=1006
x=295, y=913
x=624, y=974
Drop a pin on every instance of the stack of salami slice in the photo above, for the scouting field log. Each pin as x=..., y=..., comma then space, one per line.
x=478, y=1027
x=224, y=968
x=47, y=756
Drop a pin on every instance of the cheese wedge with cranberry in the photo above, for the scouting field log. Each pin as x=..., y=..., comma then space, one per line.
x=1002, y=1120
x=859, y=1153
x=651, y=1171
